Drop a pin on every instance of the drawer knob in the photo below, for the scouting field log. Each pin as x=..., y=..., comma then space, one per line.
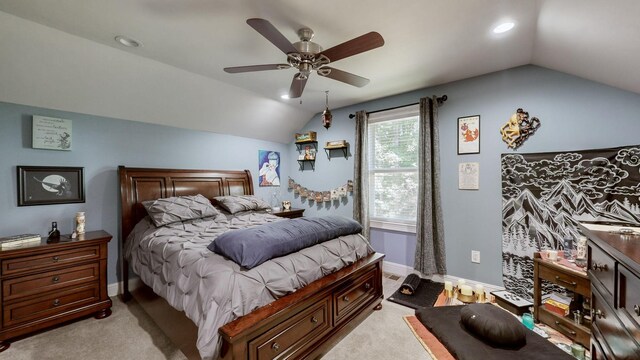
x=55, y=279
x=345, y=298
x=599, y=314
x=636, y=309
x=314, y=320
x=56, y=258
x=602, y=267
x=367, y=286
x=56, y=302
x=275, y=346
x=570, y=283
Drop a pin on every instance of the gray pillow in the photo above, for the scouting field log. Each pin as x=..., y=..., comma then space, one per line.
x=180, y=208
x=237, y=203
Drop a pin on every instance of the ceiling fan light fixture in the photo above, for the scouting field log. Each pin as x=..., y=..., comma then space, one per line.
x=127, y=41
x=285, y=96
x=504, y=27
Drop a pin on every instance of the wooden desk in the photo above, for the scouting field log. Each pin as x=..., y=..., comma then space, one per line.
x=576, y=281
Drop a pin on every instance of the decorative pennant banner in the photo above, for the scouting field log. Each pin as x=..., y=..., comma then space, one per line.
x=321, y=196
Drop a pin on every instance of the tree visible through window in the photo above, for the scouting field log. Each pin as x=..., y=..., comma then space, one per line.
x=393, y=167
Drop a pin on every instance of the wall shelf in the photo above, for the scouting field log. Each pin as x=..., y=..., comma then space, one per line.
x=302, y=162
x=301, y=144
x=344, y=149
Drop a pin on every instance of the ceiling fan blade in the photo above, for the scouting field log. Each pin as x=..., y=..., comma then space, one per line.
x=297, y=86
x=355, y=46
x=241, y=69
x=345, y=77
x=266, y=29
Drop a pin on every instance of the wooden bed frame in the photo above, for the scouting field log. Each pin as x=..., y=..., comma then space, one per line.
x=304, y=324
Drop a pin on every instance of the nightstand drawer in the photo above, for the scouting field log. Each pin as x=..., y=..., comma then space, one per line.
x=40, y=283
x=49, y=260
x=629, y=300
x=50, y=305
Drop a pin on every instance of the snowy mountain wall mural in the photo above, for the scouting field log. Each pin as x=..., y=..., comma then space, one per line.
x=546, y=195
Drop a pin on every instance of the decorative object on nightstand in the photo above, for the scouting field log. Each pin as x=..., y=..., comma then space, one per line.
x=286, y=205
x=291, y=213
x=80, y=220
x=51, y=283
x=54, y=234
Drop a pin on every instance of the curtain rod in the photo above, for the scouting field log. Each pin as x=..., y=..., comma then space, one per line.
x=440, y=100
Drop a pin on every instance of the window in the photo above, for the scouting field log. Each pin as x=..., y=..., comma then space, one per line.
x=393, y=168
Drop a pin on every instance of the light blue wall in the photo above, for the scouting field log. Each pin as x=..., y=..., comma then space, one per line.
x=100, y=145
x=575, y=114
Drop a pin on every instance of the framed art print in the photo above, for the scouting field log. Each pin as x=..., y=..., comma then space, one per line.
x=47, y=185
x=51, y=133
x=268, y=164
x=469, y=135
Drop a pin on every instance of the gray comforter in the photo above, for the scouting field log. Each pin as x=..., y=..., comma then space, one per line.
x=212, y=291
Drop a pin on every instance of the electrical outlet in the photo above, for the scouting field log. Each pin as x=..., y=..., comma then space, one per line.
x=475, y=256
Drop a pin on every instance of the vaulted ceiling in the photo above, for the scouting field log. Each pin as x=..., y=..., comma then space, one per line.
x=426, y=42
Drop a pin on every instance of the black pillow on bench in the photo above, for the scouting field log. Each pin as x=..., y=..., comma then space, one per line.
x=493, y=325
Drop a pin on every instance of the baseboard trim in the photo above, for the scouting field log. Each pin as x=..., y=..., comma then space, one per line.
x=117, y=288
x=404, y=270
x=472, y=283
x=397, y=269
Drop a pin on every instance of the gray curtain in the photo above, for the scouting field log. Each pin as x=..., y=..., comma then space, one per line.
x=361, y=174
x=430, y=252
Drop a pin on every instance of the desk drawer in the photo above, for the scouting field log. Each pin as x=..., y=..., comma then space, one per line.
x=602, y=269
x=605, y=322
x=49, y=305
x=50, y=260
x=289, y=338
x=355, y=294
x=565, y=279
x=53, y=280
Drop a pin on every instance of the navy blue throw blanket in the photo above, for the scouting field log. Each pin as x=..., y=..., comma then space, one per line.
x=253, y=246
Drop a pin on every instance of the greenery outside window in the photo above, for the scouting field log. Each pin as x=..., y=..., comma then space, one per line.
x=393, y=168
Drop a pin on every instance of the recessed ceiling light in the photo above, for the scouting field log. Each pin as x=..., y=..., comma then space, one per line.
x=504, y=27
x=285, y=96
x=127, y=41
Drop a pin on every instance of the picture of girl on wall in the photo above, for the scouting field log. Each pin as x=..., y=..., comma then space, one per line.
x=269, y=162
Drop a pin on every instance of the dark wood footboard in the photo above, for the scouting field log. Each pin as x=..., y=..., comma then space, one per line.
x=307, y=323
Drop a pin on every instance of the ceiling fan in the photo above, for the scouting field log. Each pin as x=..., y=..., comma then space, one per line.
x=307, y=56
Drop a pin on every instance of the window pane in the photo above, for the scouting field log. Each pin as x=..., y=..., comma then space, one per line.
x=394, y=195
x=394, y=144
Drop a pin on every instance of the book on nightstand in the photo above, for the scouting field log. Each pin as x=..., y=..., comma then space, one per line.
x=16, y=241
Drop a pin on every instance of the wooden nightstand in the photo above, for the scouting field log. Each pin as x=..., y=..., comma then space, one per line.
x=44, y=285
x=291, y=214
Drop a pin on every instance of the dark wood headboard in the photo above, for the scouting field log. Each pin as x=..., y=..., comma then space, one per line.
x=141, y=184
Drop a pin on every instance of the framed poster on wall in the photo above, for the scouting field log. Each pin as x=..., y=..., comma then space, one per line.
x=48, y=185
x=469, y=135
x=51, y=133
